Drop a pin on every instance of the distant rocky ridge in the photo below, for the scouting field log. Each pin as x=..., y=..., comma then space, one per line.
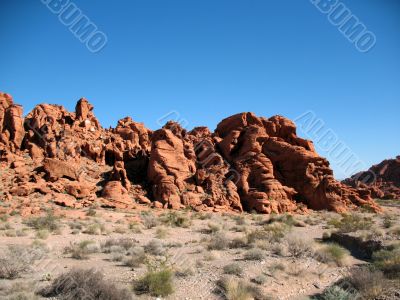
x=381, y=180
x=249, y=163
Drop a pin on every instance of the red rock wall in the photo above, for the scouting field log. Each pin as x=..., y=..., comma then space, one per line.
x=248, y=163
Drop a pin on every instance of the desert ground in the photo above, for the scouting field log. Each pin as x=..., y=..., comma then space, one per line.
x=166, y=254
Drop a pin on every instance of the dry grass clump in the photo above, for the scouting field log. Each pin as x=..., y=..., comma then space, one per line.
x=234, y=289
x=148, y=219
x=82, y=250
x=254, y=254
x=175, y=219
x=125, y=243
x=332, y=253
x=274, y=232
x=17, y=260
x=239, y=242
x=298, y=247
x=18, y=291
x=369, y=283
x=161, y=233
x=233, y=269
x=84, y=284
x=351, y=222
x=155, y=247
x=136, y=257
x=218, y=242
x=95, y=228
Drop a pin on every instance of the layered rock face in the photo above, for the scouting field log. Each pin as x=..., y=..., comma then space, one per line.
x=381, y=180
x=248, y=163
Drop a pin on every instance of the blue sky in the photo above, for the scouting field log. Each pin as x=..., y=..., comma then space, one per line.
x=208, y=59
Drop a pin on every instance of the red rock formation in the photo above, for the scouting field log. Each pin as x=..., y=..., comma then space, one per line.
x=381, y=180
x=249, y=163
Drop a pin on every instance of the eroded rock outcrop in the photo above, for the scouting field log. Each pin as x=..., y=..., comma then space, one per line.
x=380, y=181
x=248, y=163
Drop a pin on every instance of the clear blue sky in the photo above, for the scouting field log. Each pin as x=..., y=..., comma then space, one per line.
x=208, y=59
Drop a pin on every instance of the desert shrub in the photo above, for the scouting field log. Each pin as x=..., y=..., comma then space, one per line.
x=212, y=228
x=48, y=222
x=271, y=232
x=388, y=261
x=239, y=220
x=154, y=247
x=336, y=293
x=157, y=283
x=351, y=222
x=84, y=284
x=277, y=266
x=149, y=220
x=125, y=243
x=5, y=226
x=239, y=242
x=175, y=219
x=259, y=279
x=91, y=212
x=298, y=247
x=369, y=283
x=234, y=289
x=136, y=257
x=4, y=217
x=395, y=231
x=10, y=233
x=277, y=249
x=254, y=254
x=184, y=272
x=233, y=269
x=81, y=250
x=388, y=221
x=17, y=260
x=95, y=228
x=218, y=242
x=18, y=291
x=120, y=229
x=42, y=234
x=332, y=253
x=161, y=233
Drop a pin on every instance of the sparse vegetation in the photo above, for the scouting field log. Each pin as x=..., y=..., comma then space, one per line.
x=47, y=222
x=351, y=222
x=233, y=269
x=81, y=250
x=336, y=293
x=235, y=289
x=218, y=242
x=254, y=254
x=298, y=247
x=332, y=253
x=158, y=283
x=388, y=261
x=84, y=284
x=368, y=282
x=154, y=247
x=17, y=260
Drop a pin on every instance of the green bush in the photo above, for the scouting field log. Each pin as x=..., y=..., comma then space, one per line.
x=233, y=269
x=156, y=283
x=351, y=223
x=48, y=222
x=388, y=261
x=336, y=293
x=332, y=253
